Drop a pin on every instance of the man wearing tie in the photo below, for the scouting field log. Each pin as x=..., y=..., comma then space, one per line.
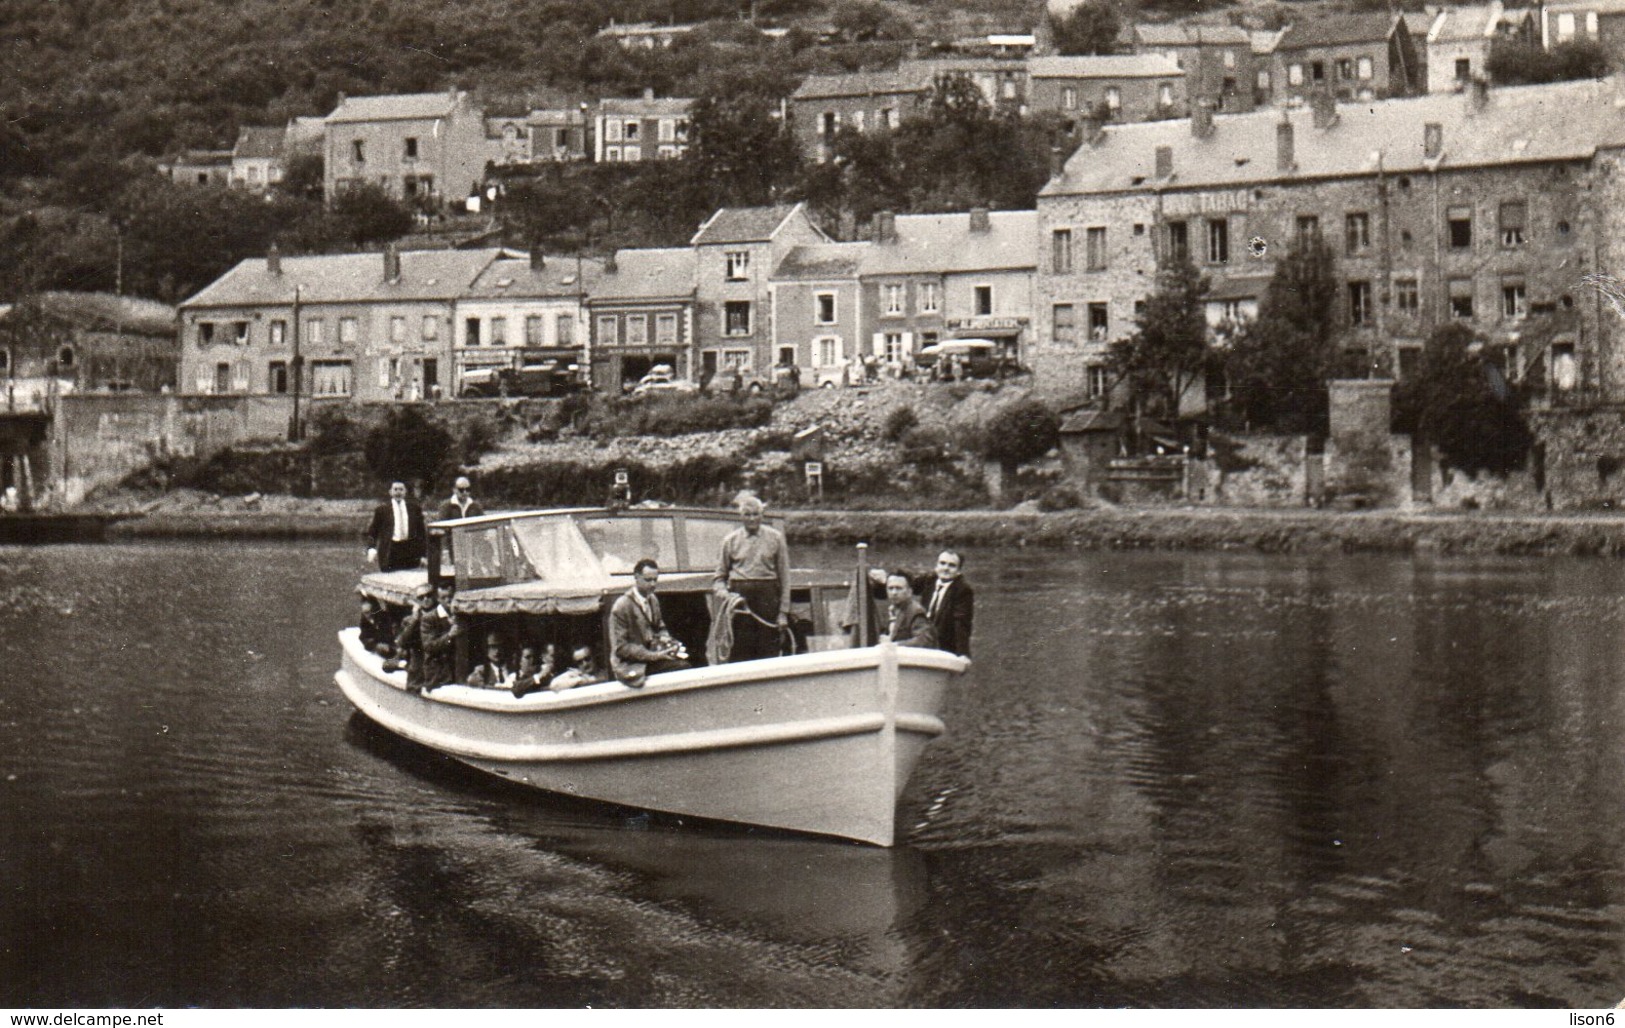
x=950, y=603
x=947, y=599
x=395, y=536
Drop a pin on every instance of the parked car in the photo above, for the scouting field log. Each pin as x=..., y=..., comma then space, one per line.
x=980, y=358
x=663, y=381
x=547, y=379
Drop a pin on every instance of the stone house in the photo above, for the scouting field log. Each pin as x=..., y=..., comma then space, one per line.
x=1458, y=42
x=259, y=160
x=642, y=311
x=523, y=310
x=817, y=309
x=1351, y=56
x=363, y=326
x=1263, y=43
x=198, y=168
x=560, y=134
x=929, y=277
x=735, y=253
x=430, y=148
x=642, y=129
x=1479, y=209
x=864, y=101
x=1217, y=61
x=1599, y=21
x=644, y=35
x=1139, y=87
x=1002, y=81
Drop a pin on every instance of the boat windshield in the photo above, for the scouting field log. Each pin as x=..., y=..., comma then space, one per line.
x=705, y=541
x=556, y=552
x=620, y=542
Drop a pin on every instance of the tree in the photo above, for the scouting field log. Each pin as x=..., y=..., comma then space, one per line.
x=1089, y=28
x=366, y=214
x=1279, y=363
x=1460, y=401
x=740, y=145
x=861, y=21
x=1019, y=431
x=406, y=447
x=1516, y=63
x=1169, y=352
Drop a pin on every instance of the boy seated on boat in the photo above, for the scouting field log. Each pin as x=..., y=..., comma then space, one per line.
x=493, y=672
x=377, y=635
x=583, y=670
x=428, y=638
x=535, y=668
x=639, y=643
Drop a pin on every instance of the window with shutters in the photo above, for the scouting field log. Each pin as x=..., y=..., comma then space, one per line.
x=1063, y=324
x=1061, y=251
x=1513, y=215
x=1095, y=248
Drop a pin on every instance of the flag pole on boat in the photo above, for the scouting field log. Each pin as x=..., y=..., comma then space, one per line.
x=861, y=590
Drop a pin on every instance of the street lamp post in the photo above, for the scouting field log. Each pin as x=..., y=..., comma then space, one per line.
x=296, y=430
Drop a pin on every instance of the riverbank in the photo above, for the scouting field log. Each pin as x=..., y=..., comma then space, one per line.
x=1155, y=528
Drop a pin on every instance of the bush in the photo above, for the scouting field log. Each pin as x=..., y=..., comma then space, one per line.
x=1020, y=431
x=673, y=415
x=925, y=445
x=331, y=430
x=1061, y=497
x=899, y=421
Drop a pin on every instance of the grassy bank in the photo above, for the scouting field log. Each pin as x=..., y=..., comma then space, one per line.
x=1263, y=531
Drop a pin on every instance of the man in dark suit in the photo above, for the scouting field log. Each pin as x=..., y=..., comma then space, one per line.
x=395, y=536
x=950, y=603
x=907, y=623
x=639, y=644
x=948, y=600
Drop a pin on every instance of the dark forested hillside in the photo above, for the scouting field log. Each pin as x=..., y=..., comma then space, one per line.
x=94, y=90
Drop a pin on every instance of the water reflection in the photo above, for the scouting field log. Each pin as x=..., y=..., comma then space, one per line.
x=1170, y=780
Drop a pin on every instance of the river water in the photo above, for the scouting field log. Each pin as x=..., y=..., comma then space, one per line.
x=1171, y=780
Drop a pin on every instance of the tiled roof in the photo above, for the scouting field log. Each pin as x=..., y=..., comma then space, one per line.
x=742, y=225
x=513, y=277
x=1110, y=66
x=928, y=68
x=647, y=275
x=347, y=277
x=944, y=243
x=394, y=108
x=1463, y=24
x=1264, y=41
x=822, y=262
x=257, y=142
x=861, y=83
x=1338, y=30
x=1180, y=34
x=660, y=106
x=1560, y=121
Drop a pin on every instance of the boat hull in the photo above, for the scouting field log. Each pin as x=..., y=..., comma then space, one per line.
x=817, y=742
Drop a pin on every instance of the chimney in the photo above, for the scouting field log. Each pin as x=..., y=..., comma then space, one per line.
x=392, y=264
x=648, y=92
x=1057, y=162
x=1090, y=127
x=1324, y=106
x=1478, y=94
x=610, y=267
x=979, y=221
x=1285, y=158
x=538, y=260
x=1202, y=119
x=273, y=260
x=1432, y=141
x=848, y=229
x=885, y=227
x=1165, y=162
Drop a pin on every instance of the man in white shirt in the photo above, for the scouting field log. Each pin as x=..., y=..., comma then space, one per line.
x=395, y=535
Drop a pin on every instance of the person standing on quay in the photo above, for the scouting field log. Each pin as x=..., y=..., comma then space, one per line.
x=395, y=536
x=461, y=503
x=756, y=564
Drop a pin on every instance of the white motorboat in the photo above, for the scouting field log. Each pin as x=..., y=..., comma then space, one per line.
x=819, y=740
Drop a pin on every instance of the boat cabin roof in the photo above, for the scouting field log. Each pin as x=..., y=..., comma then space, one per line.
x=566, y=560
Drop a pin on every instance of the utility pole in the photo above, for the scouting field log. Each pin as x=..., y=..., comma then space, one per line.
x=296, y=430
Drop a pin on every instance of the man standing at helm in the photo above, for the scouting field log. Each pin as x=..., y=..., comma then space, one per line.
x=756, y=565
